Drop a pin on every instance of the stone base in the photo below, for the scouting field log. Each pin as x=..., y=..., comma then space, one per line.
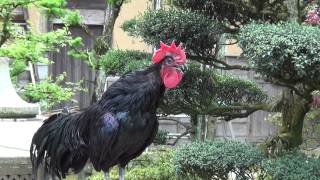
x=18, y=112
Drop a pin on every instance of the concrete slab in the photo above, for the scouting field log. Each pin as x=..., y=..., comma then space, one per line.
x=15, y=137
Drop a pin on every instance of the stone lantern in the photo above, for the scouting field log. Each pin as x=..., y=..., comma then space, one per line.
x=11, y=105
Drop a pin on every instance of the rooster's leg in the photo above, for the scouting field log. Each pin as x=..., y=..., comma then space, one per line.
x=107, y=175
x=121, y=172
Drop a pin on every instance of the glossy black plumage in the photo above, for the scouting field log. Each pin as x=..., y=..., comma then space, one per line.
x=113, y=131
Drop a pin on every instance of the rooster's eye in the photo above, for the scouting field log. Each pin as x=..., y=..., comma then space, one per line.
x=169, y=60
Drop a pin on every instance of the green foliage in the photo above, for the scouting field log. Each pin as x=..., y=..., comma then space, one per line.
x=88, y=56
x=118, y=61
x=288, y=52
x=198, y=33
x=233, y=90
x=293, y=166
x=154, y=165
x=22, y=46
x=161, y=137
x=135, y=65
x=216, y=159
x=239, y=11
x=159, y=167
x=72, y=17
x=193, y=96
x=31, y=46
x=100, y=176
x=50, y=92
x=52, y=8
x=57, y=8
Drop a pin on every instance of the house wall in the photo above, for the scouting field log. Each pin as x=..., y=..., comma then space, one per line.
x=37, y=19
x=232, y=50
x=128, y=11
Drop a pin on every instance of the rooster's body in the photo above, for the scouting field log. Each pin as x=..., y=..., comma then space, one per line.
x=113, y=131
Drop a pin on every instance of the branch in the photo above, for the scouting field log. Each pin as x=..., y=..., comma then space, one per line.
x=9, y=8
x=240, y=115
x=231, y=43
x=213, y=62
x=231, y=112
x=284, y=84
x=231, y=67
x=179, y=137
x=186, y=126
x=175, y=120
x=262, y=106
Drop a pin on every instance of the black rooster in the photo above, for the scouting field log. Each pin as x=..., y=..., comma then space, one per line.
x=114, y=130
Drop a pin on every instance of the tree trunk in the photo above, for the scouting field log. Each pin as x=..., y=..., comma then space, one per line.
x=193, y=122
x=202, y=128
x=111, y=15
x=293, y=10
x=103, y=44
x=99, y=83
x=211, y=127
x=294, y=109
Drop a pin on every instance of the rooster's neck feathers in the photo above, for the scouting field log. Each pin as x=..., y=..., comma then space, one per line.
x=138, y=90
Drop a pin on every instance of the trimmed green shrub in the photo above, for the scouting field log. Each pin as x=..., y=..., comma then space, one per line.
x=154, y=165
x=217, y=159
x=199, y=33
x=159, y=167
x=288, y=52
x=239, y=11
x=117, y=62
x=293, y=166
x=193, y=96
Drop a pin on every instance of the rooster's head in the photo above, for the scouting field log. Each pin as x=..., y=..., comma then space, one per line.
x=172, y=59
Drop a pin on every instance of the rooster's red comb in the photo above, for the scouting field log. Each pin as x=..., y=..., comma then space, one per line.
x=177, y=53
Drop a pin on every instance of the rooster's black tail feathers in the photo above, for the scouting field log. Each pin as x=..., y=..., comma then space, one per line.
x=58, y=146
